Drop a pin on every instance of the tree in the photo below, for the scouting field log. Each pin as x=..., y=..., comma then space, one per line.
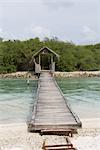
x=16, y=55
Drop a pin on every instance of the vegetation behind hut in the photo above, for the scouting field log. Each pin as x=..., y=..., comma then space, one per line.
x=15, y=55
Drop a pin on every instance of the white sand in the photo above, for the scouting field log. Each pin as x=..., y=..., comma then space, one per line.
x=16, y=137
x=93, y=123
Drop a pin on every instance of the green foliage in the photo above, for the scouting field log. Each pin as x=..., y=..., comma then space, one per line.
x=16, y=55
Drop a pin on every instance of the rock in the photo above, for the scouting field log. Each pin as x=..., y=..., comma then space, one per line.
x=23, y=75
x=78, y=74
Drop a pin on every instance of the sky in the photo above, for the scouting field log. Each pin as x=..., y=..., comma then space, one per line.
x=69, y=20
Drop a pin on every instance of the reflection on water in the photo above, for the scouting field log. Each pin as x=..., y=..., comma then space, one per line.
x=16, y=98
x=83, y=95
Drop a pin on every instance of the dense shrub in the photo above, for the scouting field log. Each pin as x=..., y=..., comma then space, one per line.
x=16, y=55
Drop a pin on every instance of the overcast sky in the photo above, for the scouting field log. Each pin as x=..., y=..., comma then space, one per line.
x=69, y=20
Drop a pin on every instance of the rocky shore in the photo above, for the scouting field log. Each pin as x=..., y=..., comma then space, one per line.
x=78, y=74
x=22, y=75
x=30, y=74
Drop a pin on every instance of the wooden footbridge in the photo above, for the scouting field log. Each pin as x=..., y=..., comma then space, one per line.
x=51, y=112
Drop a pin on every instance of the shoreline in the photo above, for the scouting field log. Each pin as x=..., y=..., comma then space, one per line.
x=19, y=75
x=87, y=123
x=16, y=137
x=77, y=74
x=30, y=74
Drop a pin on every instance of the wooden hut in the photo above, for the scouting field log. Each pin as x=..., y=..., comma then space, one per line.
x=44, y=59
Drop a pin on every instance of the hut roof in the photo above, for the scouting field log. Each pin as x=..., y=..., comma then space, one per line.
x=50, y=50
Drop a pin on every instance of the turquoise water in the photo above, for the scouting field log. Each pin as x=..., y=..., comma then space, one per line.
x=16, y=100
x=83, y=95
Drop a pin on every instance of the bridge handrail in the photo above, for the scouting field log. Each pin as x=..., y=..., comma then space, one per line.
x=67, y=104
x=34, y=109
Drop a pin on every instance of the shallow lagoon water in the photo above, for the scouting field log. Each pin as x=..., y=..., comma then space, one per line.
x=17, y=98
x=83, y=94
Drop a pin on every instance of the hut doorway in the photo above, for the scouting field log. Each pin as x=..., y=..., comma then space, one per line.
x=45, y=62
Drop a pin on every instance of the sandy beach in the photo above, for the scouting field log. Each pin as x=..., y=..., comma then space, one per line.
x=16, y=137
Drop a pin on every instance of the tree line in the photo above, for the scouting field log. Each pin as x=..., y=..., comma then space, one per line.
x=15, y=55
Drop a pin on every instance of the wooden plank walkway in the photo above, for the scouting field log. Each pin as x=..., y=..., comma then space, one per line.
x=51, y=111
